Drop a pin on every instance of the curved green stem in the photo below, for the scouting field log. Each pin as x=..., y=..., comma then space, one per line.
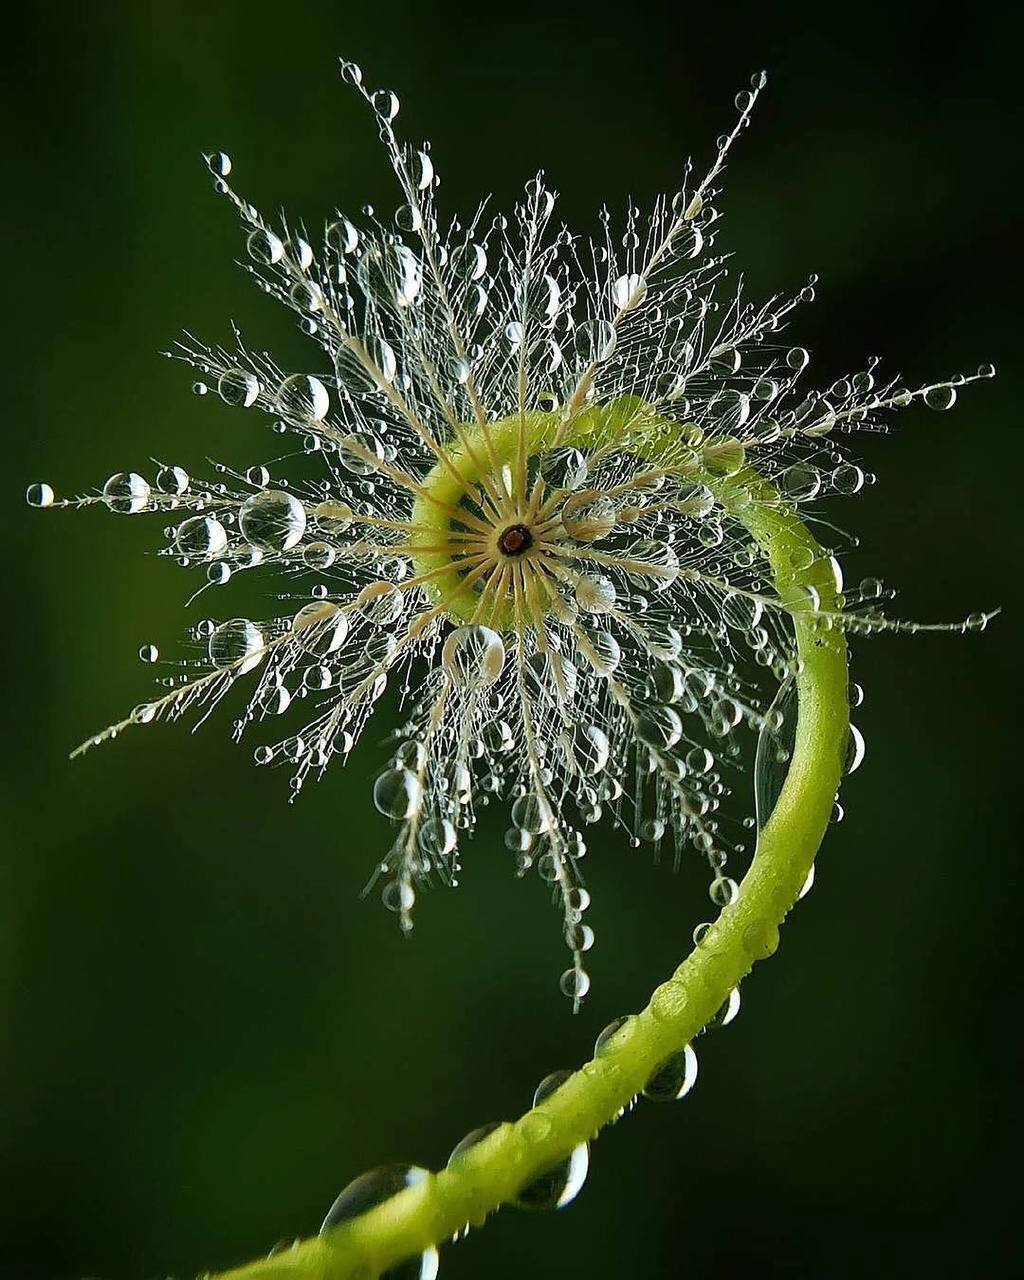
x=492, y=1172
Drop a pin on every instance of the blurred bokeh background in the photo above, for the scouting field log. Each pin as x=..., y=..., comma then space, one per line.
x=205, y=1032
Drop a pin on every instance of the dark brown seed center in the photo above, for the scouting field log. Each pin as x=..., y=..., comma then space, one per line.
x=515, y=540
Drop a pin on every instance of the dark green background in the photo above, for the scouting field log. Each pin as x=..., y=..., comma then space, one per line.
x=206, y=1033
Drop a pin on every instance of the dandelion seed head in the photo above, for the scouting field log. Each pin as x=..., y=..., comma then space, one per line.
x=514, y=522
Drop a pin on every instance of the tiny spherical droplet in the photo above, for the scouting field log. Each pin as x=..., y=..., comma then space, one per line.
x=575, y=983
x=220, y=163
x=39, y=495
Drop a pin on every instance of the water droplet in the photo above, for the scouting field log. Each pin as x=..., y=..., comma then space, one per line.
x=343, y=236
x=595, y=593
x=800, y=482
x=559, y=1185
x=588, y=516
x=658, y=727
x=674, y=1078
x=723, y=891
x=39, y=495
x=472, y=1138
x=574, y=983
x=855, y=750
x=564, y=468
x=628, y=291
x=668, y=1001
x=200, y=537
x=220, y=164
x=380, y=603
x=727, y=1011
x=372, y=1189
x=528, y=814
x=333, y=517
x=238, y=388
x=237, y=644
x=360, y=453
x=606, y=1036
x=397, y=793
x=265, y=247
x=590, y=749
x=422, y=170
x=300, y=253
x=774, y=747
x=126, y=492
x=149, y=653
x=847, y=478
x=942, y=397
x=385, y=103
x=304, y=397
x=595, y=341
x=172, y=480
x=320, y=628
x=437, y=837
x=272, y=520
x=306, y=296
x=473, y=655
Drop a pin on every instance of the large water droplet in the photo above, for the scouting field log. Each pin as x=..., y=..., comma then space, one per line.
x=774, y=749
x=304, y=397
x=237, y=644
x=320, y=627
x=126, y=492
x=39, y=495
x=265, y=247
x=473, y=656
x=272, y=520
x=239, y=388
x=943, y=397
x=674, y=1078
x=561, y=1184
x=659, y=727
x=397, y=793
x=385, y=103
x=590, y=748
x=200, y=537
x=372, y=1189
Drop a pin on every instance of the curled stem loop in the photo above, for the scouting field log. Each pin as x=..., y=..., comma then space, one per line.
x=493, y=1171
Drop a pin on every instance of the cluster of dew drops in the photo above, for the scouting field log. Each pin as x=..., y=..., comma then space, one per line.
x=677, y=655
x=554, y=1187
x=650, y=739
